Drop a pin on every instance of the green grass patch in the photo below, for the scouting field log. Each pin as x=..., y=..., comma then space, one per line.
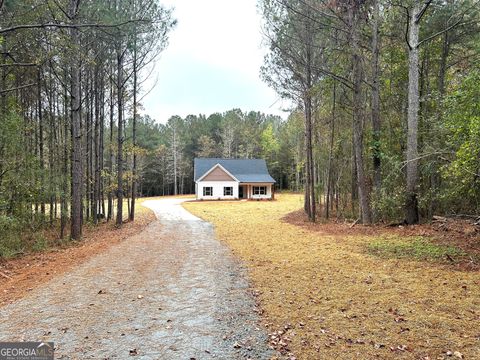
x=417, y=248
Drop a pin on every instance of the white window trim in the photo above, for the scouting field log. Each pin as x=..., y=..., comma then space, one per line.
x=259, y=190
x=208, y=187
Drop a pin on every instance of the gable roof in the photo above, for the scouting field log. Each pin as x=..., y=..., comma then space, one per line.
x=245, y=170
x=221, y=169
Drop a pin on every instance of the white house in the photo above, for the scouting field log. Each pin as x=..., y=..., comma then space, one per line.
x=217, y=179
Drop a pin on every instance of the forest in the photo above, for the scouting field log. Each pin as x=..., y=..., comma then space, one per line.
x=71, y=73
x=384, y=124
x=390, y=106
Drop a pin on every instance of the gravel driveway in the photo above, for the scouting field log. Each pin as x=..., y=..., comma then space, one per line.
x=170, y=292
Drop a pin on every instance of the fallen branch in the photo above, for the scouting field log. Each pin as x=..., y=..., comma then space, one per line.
x=465, y=216
x=354, y=223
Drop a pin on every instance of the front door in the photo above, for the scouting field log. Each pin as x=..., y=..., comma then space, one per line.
x=240, y=192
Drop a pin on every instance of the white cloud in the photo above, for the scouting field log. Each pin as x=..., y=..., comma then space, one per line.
x=212, y=62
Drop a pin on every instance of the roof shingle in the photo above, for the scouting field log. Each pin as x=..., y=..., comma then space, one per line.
x=245, y=170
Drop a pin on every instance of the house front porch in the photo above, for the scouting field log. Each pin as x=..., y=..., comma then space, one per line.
x=256, y=191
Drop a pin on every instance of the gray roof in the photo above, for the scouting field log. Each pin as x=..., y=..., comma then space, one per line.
x=245, y=170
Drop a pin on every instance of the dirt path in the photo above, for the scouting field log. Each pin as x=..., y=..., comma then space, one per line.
x=170, y=292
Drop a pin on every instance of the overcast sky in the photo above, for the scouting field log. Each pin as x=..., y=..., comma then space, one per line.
x=212, y=63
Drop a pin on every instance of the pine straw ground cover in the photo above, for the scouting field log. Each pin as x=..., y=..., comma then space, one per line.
x=329, y=297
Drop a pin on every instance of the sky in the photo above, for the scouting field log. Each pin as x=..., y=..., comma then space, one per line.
x=212, y=63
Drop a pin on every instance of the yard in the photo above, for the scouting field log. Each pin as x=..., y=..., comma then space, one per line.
x=347, y=296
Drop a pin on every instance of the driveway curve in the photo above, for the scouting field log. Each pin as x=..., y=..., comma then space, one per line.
x=170, y=292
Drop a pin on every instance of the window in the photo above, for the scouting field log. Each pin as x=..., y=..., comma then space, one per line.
x=208, y=191
x=227, y=191
x=259, y=190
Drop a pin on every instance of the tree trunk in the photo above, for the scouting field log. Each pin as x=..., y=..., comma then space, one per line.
x=75, y=100
x=51, y=149
x=41, y=145
x=330, y=154
x=102, y=144
x=411, y=204
x=112, y=157
x=175, y=178
x=134, y=130
x=88, y=153
x=377, y=176
x=64, y=203
x=120, y=138
x=96, y=193
x=443, y=63
x=308, y=123
x=358, y=115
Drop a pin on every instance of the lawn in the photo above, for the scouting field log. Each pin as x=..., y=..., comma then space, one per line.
x=338, y=296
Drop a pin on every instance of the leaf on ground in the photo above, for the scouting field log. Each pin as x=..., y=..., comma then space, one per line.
x=456, y=354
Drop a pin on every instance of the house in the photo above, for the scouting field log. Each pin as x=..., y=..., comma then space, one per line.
x=232, y=179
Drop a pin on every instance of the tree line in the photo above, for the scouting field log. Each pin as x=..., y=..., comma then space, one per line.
x=384, y=124
x=165, y=164
x=71, y=72
x=390, y=110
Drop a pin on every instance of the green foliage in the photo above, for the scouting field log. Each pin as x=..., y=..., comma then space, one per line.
x=269, y=141
x=416, y=248
x=462, y=128
x=388, y=202
x=40, y=244
x=19, y=171
x=10, y=241
x=19, y=236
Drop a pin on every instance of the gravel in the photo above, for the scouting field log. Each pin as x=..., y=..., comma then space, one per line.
x=170, y=292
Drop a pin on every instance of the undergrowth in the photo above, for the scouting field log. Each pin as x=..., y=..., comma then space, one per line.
x=417, y=248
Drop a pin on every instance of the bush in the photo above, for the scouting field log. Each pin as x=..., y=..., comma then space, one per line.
x=10, y=239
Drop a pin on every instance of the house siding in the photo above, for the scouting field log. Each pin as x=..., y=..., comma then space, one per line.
x=217, y=187
x=218, y=174
x=268, y=195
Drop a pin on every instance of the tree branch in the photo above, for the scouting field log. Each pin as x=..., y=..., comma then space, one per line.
x=18, y=88
x=69, y=26
x=408, y=29
x=458, y=23
x=422, y=11
x=18, y=64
